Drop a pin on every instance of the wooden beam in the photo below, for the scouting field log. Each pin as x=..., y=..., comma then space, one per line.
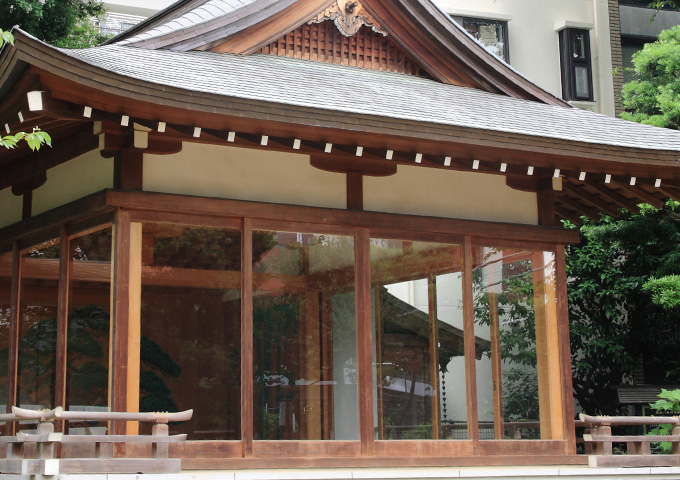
x=235, y=208
x=128, y=170
x=548, y=367
x=65, y=264
x=247, y=332
x=120, y=311
x=469, y=332
x=355, y=191
x=598, y=203
x=623, y=202
x=545, y=199
x=572, y=217
x=352, y=163
x=644, y=196
x=496, y=367
x=564, y=348
x=434, y=355
x=134, y=328
x=14, y=326
x=364, y=341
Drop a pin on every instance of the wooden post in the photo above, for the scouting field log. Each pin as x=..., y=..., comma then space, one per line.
x=496, y=367
x=65, y=267
x=547, y=348
x=364, y=341
x=247, y=381
x=15, y=321
x=134, y=324
x=434, y=353
x=311, y=421
x=355, y=191
x=118, y=335
x=565, y=349
x=469, y=334
x=128, y=170
x=378, y=360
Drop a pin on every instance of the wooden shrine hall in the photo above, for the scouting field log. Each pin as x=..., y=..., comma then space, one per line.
x=331, y=228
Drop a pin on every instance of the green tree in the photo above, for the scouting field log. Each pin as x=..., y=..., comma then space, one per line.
x=63, y=23
x=654, y=96
x=615, y=324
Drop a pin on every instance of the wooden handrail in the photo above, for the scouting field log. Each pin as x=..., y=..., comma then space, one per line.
x=629, y=421
x=599, y=434
x=60, y=414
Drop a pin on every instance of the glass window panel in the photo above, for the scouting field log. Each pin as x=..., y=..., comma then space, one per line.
x=5, y=301
x=489, y=33
x=191, y=327
x=513, y=298
x=582, y=84
x=87, y=372
x=304, y=320
x=38, y=326
x=578, y=43
x=419, y=343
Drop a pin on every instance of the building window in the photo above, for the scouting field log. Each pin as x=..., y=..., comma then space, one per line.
x=577, y=75
x=493, y=34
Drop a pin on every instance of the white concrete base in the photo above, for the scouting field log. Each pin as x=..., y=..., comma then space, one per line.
x=425, y=473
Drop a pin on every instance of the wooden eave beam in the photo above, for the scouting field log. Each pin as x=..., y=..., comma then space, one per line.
x=643, y=195
x=468, y=143
x=567, y=215
x=629, y=204
x=597, y=202
x=577, y=206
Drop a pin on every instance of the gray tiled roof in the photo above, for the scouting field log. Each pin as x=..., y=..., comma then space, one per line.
x=210, y=10
x=331, y=87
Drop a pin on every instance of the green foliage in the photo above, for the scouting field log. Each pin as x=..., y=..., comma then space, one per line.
x=37, y=137
x=653, y=97
x=665, y=291
x=669, y=401
x=614, y=322
x=58, y=22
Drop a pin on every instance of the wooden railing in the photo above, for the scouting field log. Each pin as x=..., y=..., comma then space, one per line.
x=638, y=447
x=42, y=451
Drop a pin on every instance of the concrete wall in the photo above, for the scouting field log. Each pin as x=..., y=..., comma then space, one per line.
x=257, y=175
x=448, y=193
x=533, y=39
x=10, y=207
x=72, y=180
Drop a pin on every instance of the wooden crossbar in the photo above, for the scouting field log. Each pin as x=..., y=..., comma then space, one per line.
x=47, y=460
x=599, y=433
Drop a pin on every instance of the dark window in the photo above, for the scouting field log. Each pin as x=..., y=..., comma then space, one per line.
x=493, y=34
x=577, y=75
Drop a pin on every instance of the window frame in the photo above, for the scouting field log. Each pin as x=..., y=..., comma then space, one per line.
x=568, y=64
x=462, y=20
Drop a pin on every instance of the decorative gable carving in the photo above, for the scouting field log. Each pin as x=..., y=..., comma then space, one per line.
x=349, y=16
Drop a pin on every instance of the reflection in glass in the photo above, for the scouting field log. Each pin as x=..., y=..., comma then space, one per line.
x=304, y=337
x=87, y=371
x=579, y=45
x=5, y=301
x=38, y=326
x=513, y=296
x=582, y=84
x=191, y=327
x=419, y=344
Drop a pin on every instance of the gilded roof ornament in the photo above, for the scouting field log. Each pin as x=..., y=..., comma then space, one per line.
x=348, y=16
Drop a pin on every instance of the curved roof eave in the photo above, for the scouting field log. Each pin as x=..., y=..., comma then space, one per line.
x=659, y=147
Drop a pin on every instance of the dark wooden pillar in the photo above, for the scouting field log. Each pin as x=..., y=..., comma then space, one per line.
x=355, y=191
x=15, y=307
x=128, y=169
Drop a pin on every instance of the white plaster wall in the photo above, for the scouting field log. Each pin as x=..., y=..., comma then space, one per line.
x=533, y=39
x=244, y=174
x=447, y=193
x=86, y=174
x=10, y=207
